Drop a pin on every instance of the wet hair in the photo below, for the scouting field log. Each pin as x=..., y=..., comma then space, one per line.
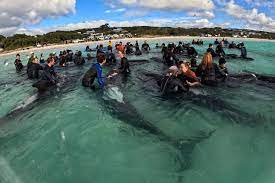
x=18, y=54
x=180, y=62
x=210, y=45
x=193, y=62
x=100, y=58
x=49, y=60
x=222, y=61
x=207, y=61
x=187, y=64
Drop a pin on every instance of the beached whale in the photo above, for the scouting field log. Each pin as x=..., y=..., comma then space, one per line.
x=114, y=101
x=201, y=98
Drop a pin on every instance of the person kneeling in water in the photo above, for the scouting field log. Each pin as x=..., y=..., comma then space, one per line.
x=95, y=72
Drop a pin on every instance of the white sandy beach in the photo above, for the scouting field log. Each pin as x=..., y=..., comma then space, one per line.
x=64, y=46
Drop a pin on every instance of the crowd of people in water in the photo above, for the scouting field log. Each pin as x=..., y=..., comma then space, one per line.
x=180, y=76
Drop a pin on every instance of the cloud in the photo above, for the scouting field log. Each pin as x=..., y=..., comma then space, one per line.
x=252, y=18
x=169, y=5
x=205, y=14
x=18, y=13
x=261, y=3
x=186, y=22
x=115, y=10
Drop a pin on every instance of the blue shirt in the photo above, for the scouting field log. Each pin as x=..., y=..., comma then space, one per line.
x=100, y=78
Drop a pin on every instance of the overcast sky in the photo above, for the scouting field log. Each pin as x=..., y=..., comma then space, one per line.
x=41, y=16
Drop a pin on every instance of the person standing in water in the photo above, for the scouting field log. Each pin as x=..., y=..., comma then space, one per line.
x=145, y=47
x=243, y=51
x=110, y=46
x=211, y=50
x=208, y=70
x=48, y=78
x=18, y=64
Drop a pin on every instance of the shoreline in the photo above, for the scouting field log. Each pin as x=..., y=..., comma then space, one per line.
x=14, y=52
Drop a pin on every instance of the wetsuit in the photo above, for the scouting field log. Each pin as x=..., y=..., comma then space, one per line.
x=208, y=76
x=145, y=47
x=87, y=49
x=94, y=72
x=111, y=58
x=48, y=79
x=62, y=60
x=179, y=49
x=129, y=49
x=191, y=51
x=125, y=67
x=216, y=42
x=100, y=50
x=138, y=52
x=243, y=52
x=18, y=65
x=170, y=58
x=33, y=70
x=220, y=51
x=232, y=45
x=211, y=50
x=171, y=84
x=79, y=60
x=222, y=74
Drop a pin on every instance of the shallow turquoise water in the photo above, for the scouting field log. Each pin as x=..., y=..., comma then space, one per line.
x=72, y=137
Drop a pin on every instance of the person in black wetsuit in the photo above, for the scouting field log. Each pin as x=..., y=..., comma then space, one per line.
x=125, y=66
x=232, y=45
x=169, y=57
x=41, y=60
x=164, y=48
x=34, y=68
x=216, y=42
x=191, y=51
x=129, y=49
x=138, y=51
x=95, y=72
x=223, y=72
x=243, y=52
x=88, y=49
x=170, y=84
x=219, y=51
x=145, y=47
x=79, y=60
x=63, y=59
x=179, y=49
x=111, y=58
x=208, y=71
x=100, y=50
x=211, y=50
x=18, y=64
x=48, y=78
x=194, y=65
